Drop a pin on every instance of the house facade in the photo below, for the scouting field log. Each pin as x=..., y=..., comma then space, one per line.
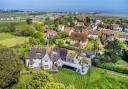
x=123, y=37
x=40, y=57
x=51, y=59
x=106, y=35
x=93, y=34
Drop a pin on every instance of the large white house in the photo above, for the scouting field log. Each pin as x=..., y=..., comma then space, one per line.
x=50, y=59
x=37, y=57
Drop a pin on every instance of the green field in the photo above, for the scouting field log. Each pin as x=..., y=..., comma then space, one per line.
x=13, y=41
x=4, y=36
x=17, y=23
x=96, y=79
x=20, y=14
x=10, y=40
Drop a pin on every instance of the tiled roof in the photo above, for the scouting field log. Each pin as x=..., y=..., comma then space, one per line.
x=80, y=36
x=35, y=53
x=93, y=32
x=68, y=29
x=107, y=32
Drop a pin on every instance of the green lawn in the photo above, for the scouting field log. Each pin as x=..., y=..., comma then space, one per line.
x=13, y=41
x=95, y=79
x=4, y=36
x=122, y=63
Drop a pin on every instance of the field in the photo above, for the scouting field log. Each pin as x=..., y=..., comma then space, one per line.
x=4, y=36
x=95, y=79
x=17, y=23
x=9, y=40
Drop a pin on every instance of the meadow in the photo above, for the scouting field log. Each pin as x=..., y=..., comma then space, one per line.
x=10, y=40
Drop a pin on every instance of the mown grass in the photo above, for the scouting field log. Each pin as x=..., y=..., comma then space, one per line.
x=95, y=79
x=4, y=36
x=13, y=41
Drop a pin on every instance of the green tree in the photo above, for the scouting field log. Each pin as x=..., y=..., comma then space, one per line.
x=12, y=27
x=29, y=21
x=9, y=68
x=26, y=31
x=38, y=25
x=63, y=34
x=39, y=79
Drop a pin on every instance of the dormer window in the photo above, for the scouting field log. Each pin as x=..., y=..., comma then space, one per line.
x=38, y=54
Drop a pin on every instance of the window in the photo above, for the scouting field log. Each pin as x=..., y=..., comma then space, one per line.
x=46, y=60
x=45, y=66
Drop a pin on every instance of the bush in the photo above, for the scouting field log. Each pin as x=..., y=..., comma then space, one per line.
x=112, y=67
x=26, y=31
x=9, y=68
x=68, y=47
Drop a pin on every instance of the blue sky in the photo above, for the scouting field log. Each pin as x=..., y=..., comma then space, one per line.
x=99, y=5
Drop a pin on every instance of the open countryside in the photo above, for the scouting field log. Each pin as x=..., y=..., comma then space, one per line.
x=74, y=45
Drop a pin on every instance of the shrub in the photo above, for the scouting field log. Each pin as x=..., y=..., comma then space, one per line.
x=9, y=68
x=112, y=67
x=68, y=47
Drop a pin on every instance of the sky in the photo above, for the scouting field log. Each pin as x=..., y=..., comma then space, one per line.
x=89, y=5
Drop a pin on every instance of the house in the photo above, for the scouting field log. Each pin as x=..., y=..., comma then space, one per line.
x=51, y=59
x=61, y=27
x=90, y=54
x=116, y=27
x=37, y=57
x=69, y=30
x=106, y=35
x=79, y=37
x=81, y=24
x=93, y=34
x=49, y=33
x=123, y=37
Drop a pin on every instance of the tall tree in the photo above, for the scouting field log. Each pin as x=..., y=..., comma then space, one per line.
x=9, y=68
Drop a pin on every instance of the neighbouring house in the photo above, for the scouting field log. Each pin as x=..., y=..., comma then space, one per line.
x=90, y=54
x=97, y=22
x=123, y=37
x=81, y=24
x=79, y=37
x=75, y=22
x=116, y=27
x=93, y=34
x=61, y=27
x=69, y=30
x=106, y=35
x=41, y=57
x=49, y=33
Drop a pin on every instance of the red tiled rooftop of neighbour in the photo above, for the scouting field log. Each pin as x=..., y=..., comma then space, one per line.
x=107, y=32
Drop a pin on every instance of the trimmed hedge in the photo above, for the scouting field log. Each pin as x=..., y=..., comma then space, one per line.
x=68, y=47
x=113, y=67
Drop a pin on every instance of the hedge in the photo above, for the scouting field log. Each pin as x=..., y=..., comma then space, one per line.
x=113, y=67
x=68, y=47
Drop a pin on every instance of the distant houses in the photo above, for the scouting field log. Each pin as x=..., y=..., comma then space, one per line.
x=122, y=37
x=93, y=34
